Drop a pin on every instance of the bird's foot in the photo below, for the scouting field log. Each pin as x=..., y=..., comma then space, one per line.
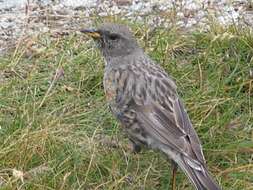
x=134, y=147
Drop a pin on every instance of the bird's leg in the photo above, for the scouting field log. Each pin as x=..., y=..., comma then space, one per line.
x=135, y=147
x=133, y=144
x=174, y=172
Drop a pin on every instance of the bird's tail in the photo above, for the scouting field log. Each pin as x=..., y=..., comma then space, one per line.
x=198, y=174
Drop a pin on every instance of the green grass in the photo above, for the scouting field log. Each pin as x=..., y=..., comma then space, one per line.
x=57, y=132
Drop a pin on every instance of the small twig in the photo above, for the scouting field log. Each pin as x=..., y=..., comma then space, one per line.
x=200, y=76
x=92, y=156
x=59, y=73
x=64, y=180
x=240, y=168
x=146, y=176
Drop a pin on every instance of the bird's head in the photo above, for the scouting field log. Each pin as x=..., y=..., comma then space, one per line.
x=113, y=39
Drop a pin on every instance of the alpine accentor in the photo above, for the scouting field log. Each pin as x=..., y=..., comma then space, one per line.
x=144, y=99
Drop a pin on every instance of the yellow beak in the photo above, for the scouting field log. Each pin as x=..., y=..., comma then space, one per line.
x=92, y=33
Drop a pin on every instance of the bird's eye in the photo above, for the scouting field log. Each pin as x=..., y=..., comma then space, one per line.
x=114, y=36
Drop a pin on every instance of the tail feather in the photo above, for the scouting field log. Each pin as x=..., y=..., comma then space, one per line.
x=199, y=176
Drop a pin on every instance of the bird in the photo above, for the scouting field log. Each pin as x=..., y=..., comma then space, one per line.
x=144, y=99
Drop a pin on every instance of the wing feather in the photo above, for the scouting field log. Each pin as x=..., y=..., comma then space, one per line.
x=166, y=119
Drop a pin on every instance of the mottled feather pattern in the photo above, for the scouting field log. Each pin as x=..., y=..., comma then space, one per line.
x=150, y=90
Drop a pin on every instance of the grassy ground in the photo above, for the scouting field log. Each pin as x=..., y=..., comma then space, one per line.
x=57, y=132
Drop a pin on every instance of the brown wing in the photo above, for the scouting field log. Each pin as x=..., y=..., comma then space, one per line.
x=150, y=97
x=171, y=128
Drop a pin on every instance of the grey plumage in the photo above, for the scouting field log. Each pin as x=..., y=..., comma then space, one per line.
x=144, y=98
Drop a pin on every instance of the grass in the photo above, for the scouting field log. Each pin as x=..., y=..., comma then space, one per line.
x=56, y=131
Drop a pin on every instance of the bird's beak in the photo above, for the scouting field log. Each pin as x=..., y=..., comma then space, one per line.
x=92, y=33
